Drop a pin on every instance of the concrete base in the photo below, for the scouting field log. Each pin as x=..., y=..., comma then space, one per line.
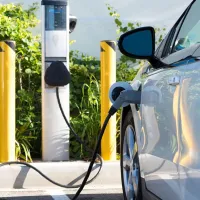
x=66, y=173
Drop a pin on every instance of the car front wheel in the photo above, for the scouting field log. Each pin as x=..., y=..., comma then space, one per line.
x=129, y=161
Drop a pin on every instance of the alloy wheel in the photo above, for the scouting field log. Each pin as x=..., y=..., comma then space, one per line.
x=130, y=164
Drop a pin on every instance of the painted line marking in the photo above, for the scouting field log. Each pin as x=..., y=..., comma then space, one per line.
x=58, y=194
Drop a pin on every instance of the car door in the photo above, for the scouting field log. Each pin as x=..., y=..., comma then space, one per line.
x=189, y=119
x=189, y=158
x=161, y=127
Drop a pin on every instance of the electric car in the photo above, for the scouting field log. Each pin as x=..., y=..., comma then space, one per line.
x=160, y=136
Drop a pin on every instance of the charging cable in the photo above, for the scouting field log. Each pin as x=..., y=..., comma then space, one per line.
x=77, y=138
x=125, y=96
x=95, y=155
x=61, y=77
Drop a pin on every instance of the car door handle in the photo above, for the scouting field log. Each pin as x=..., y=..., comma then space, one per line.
x=174, y=80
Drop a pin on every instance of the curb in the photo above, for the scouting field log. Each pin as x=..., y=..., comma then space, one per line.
x=66, y=173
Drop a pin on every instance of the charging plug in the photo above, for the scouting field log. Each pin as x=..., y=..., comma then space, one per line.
x=125, y=96
x=122, y=94
x=57, y=74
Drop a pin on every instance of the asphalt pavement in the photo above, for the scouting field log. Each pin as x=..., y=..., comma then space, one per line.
x=99, y=194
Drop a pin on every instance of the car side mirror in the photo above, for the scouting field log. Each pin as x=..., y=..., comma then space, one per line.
x=138, y=43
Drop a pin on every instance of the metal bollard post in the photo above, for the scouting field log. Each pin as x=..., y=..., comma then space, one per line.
x=7, y=101
x=108, y=77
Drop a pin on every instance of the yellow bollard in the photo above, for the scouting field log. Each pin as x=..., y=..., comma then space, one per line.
x=7, y=101
x=108, y=77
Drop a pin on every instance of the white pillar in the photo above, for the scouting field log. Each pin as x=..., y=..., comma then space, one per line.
x=55, y=47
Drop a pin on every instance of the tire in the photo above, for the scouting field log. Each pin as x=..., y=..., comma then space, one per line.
x=130, y=167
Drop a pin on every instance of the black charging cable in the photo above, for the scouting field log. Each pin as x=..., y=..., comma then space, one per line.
x=78, y=138
x=95, y=155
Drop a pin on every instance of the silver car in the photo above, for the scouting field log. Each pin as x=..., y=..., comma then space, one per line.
x=160, y=137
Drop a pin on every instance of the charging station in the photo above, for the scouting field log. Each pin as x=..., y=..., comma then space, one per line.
x=57, y=24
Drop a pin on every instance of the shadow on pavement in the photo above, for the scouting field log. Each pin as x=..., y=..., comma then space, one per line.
x=99, y=197
x=82, y=197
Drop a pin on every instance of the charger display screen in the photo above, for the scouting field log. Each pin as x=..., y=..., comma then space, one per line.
x=55, y=17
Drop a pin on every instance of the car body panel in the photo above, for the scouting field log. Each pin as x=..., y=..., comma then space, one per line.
x=163, y=166
x=189, y=161
x=161, y=148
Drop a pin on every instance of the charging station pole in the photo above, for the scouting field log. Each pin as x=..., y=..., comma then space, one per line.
x=55, y=47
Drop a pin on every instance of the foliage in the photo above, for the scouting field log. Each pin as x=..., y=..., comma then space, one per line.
x=85, y=95
x=16, y=24
x=23, y=145
x=87, y=123
x=121, y=28
x=81, y=68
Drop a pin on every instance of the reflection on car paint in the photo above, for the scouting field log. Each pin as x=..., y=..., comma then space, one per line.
x=189, y=161
x=159, y=124
x=176, y=117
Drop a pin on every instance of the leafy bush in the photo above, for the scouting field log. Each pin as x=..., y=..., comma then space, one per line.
x=85, y=101
x=82, y=67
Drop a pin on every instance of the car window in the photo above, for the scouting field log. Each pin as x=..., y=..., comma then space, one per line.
x=174, y=38
x=189, y=33
x=172, y=35
x=160, y=48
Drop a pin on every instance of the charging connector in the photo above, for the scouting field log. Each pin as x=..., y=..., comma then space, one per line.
x=128, y=96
